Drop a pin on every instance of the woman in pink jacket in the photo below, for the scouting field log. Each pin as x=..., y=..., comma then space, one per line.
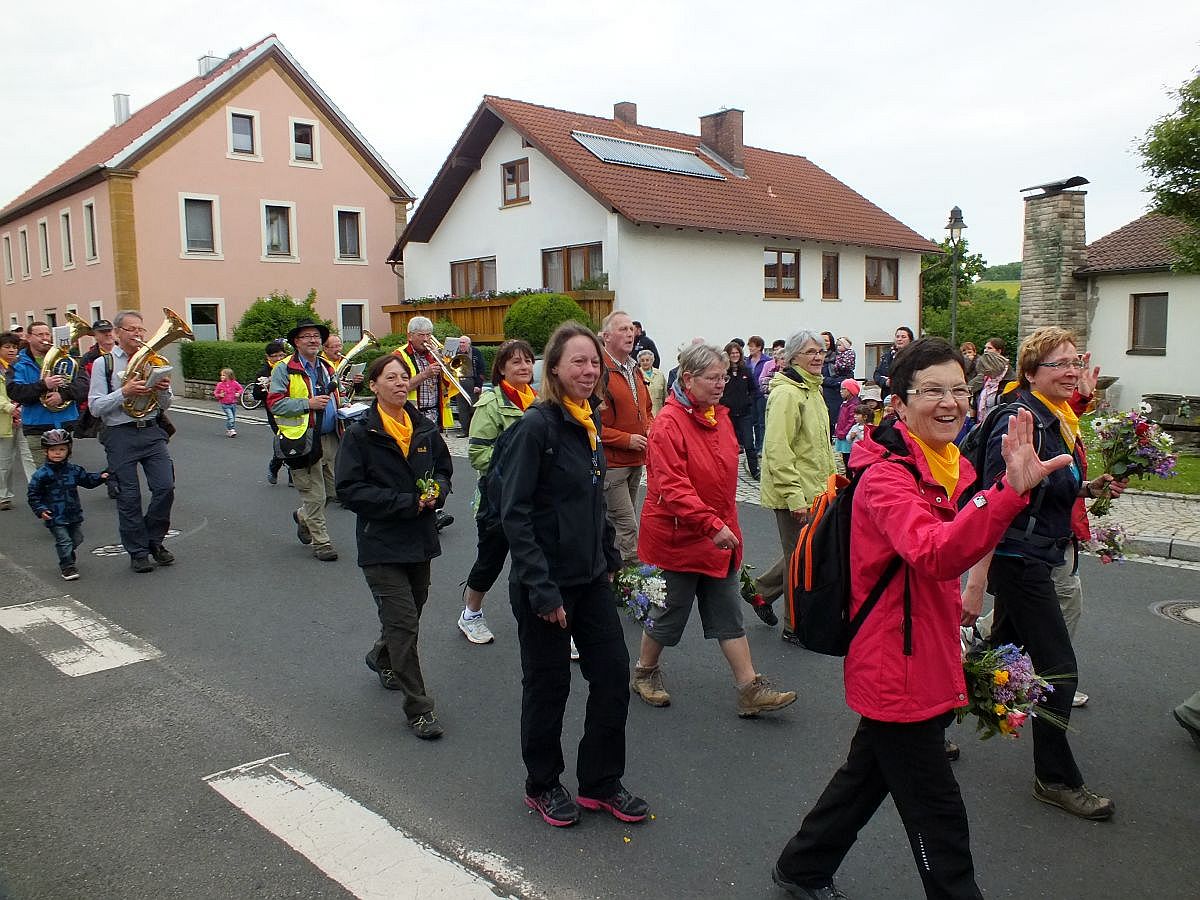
x=689, y=529
x=907, y=680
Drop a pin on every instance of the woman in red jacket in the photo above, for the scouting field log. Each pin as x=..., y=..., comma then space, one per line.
x=907, y=682
x=689, y=529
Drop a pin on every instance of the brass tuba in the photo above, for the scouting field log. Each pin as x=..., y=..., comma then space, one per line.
x=147, y=365
x=58, y=361
x=341, y=371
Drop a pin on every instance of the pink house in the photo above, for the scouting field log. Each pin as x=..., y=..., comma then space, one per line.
x=244, y=180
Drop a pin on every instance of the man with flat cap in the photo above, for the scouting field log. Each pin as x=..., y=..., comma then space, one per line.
x=304, y=399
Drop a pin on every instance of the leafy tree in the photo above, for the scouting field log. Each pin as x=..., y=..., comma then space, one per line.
x=1003, y=272
x=937, y=270
x=987, y=314
x=1171, y=156
x=275, y=315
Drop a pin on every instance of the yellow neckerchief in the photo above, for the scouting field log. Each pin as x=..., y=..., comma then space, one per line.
x=524, y=394
x=943, y=466
x=1068, y=422
x=710, y=415
x=400, y=429
x=582, y=413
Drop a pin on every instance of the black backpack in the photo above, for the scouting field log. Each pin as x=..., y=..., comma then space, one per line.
x=975, y=444
x=818, y=588
x=491, y=480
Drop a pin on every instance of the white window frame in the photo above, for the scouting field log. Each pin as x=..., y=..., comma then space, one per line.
x=97, y=310
x=43, y=233
x=91, y=237
x=9, y=271
x=23, y=252
x=256, y=131
x=13, y=321
x=68, y=241
x=217, y=251
x=29, y=319
x=361, y=259
x=222, y=319
x=366, y=313
x=73, y=308
x=315, y=162
x=293, y=232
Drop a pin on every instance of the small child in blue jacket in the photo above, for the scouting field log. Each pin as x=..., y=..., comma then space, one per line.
x=54, y=497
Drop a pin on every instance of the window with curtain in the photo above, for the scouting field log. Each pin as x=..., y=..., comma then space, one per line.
x=516, y=181
x=89, y=231
x=279, y=238
x=242, y=127
x=829, y=276
x=470, y=277
x=348, y=235
x=198, y=225
x=565, y=268
x=1149, y=324
x=302, y=142
x=781, y=273
x=882, y=277
x=352, y=323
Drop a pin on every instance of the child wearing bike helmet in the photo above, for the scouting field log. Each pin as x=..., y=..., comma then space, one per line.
x=54, y=497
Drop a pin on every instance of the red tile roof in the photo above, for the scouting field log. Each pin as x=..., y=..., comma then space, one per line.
x=118, y=137
x=781, y=196
x=1142, y=244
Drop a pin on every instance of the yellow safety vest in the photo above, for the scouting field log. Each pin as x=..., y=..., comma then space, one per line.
x=445, y=393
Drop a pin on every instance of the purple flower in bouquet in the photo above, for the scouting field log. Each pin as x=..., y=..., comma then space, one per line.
x=1131, y=446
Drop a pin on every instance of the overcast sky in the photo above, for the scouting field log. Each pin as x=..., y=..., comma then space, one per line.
x=917, y=106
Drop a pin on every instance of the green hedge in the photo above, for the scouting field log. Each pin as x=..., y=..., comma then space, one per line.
x=535, y=317
x=204, y=360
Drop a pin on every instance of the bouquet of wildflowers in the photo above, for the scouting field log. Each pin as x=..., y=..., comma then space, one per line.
x=1131, y=446
x=640, y=589
x=1108, y=542
x=1003, y=691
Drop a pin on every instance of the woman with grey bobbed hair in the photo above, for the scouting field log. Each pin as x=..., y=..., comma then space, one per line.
x=656, y=382
x=797, y=456
x=689, y=529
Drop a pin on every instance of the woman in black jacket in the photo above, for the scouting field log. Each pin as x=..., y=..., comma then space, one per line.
x=383, y=456
x=563, y=558
x=740, y=392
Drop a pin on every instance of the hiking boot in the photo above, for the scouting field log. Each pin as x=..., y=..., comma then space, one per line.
x=766, y=612
x=952, y=751
x=444, y=520
x=648, y=684
x=826, y=892
x=325, y=552
x=623, y=805
x=426, y=727
x=141, y=564
x=1078, y=801
x=387, y=677
x=555, y=806
x=476, y=629
x=302, y=532
x=69, y=573
x=790, y=637
x=272, y=477
x=758, y=697
x=1080, y=699
x=1190, y=729
x=162, y=555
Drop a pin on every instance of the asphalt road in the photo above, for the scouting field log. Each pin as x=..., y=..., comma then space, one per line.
x=103, y=775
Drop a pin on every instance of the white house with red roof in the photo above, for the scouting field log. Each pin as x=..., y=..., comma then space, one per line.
x=243, y=180
x=697, y=235
x=1143, y=319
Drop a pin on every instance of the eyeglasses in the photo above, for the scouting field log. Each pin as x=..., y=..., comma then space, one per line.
x=961, y=394
x=137, y=329
x=713, y=379
x=813, y=353
x=1062, y=364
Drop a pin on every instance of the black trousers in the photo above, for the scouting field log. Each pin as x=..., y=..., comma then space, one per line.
x=908, y=761
x=127, y=447
x=593, y=621
x=400, y=592
x=1028, y=614
x=490, y=555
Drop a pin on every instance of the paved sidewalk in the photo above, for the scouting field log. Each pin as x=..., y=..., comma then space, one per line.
x=1160, y=525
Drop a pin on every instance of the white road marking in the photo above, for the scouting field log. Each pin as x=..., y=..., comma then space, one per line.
x=355, y=847
x=73, y=638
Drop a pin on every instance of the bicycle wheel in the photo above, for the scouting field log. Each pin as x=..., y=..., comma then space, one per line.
x=249, y=401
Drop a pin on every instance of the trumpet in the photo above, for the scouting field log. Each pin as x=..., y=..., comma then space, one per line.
x=58, y=361
x=341, y=371
x=450, y=369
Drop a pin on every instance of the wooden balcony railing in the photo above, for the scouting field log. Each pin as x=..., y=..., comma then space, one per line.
x=483, y=320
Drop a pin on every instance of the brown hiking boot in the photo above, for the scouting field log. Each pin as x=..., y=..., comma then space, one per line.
x=758, y=696
x=648, y=684
x=1077, y=801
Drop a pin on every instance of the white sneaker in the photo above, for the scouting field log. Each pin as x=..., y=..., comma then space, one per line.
x=1080, y=699
x=476, y=630
x=574, y=651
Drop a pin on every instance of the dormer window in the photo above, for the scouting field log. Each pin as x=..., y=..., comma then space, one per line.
x=516, y=182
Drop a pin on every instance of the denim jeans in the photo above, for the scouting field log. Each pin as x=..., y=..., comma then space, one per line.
x=66, y=539
x=230, y=410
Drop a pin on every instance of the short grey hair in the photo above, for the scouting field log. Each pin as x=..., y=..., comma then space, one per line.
x=796, y=343
x=612, y=315
x=119, y=318
x=699, y=357
x=649, y=353
x=419, y=323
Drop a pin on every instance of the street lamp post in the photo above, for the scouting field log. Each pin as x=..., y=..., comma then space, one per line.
x=955, y=226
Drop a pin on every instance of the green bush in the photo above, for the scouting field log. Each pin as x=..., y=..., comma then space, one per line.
x=204, y=360
x=275, y=315
x=535, y=317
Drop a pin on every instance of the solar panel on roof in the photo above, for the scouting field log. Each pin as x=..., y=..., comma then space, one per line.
x=645, y=156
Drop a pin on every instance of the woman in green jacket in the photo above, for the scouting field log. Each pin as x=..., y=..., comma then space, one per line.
x=498, y=408
x=797, y=457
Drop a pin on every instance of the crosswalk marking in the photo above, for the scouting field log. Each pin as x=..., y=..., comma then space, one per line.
x=355, y=847
x=75, y=639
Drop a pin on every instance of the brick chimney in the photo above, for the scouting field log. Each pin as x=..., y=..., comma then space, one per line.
x=721, y=134
x=626, y=112
x=1054, y=248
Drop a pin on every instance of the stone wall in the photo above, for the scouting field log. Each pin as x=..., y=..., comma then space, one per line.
x=194, y=389
x=1054, y=248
